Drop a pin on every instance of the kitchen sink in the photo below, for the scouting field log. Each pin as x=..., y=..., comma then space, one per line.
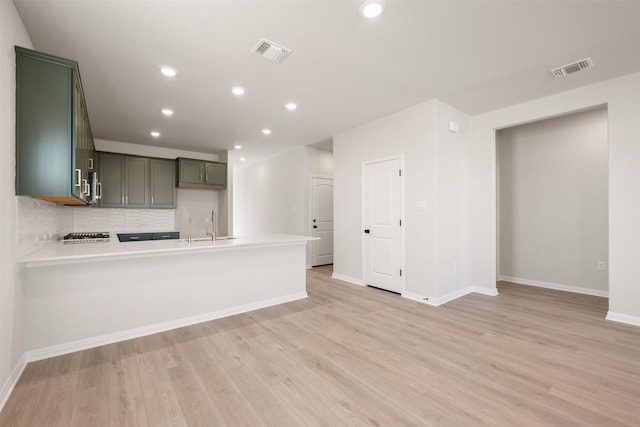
x=204, y=239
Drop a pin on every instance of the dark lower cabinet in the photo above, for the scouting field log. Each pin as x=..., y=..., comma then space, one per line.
x=138, y=237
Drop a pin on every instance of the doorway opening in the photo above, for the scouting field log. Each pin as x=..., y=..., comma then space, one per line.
x=552, y=203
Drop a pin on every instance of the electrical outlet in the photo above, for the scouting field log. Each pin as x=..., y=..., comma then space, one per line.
x=600, y=265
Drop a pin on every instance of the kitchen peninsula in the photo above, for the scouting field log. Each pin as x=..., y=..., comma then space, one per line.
x=84, y=295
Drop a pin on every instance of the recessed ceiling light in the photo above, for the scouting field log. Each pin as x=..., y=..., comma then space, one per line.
x=154, y=133
x=167, y=112
x=168, y=71
x=372, y=8
x=266, y=131
x=237, y=147
x=290, y=106
x=238, y=90
x=242, y=159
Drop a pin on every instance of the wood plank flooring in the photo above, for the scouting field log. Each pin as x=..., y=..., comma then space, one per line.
x=356, y=356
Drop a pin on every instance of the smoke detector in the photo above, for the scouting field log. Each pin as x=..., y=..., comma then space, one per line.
x=271, y=51
x=572, y=68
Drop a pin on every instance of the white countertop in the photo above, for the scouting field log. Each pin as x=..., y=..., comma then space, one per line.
x=58, y=252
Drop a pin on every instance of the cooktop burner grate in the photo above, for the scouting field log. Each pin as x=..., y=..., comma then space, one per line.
x=86, y=237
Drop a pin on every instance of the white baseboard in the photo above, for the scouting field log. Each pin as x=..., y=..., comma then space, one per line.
x=416, y=297
x=348, y=279
x=492, y=292
x=623, y=318
x=11, y=382
x=436, y=302
x=556, y=286
x=57, y=350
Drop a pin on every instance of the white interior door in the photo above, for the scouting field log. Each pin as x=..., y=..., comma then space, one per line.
x=322, y=221
x=382, y=226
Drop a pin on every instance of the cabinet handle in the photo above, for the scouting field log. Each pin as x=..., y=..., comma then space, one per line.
x=85, y=187
x=126, y=200
x=78, y=177
x=98, y=191
x=122, y=200
x=151, y=199
x=200, y=177
x=90, y=163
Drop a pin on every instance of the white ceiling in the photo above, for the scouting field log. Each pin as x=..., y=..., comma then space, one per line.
x=345, y=70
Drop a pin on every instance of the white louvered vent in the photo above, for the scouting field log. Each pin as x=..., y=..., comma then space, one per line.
x=572, y=68
x=271, y=51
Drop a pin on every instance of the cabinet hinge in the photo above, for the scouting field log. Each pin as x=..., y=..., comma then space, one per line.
x=399, y=172
x=400, y=223
x=400, y=273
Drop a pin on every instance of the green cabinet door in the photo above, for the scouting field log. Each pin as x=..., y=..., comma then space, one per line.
x=111, y=174
x=137, y=194
x=215, y=174
x=163, y=183
x=191, y=172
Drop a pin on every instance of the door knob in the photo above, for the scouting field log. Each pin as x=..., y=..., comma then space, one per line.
x=367, y=231
x=315, y=226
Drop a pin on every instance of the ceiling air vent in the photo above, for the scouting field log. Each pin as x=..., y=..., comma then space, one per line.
x=271, y=51
x=572, y=68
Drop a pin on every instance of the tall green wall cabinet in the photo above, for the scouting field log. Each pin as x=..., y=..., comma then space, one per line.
x=54, y=144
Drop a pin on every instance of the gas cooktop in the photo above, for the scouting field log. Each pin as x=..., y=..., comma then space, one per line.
x=86, y=237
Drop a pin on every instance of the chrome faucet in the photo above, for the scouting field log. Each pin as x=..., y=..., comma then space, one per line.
x=213, y=226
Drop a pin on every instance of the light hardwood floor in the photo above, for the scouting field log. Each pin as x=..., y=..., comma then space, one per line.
x=350, y=355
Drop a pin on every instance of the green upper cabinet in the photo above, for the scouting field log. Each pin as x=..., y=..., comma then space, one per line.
x=137, y=182
x=202, y=174
x=163, y=183
x=111, y=173
x=54, y=145
x=191, y=172
x=215, y=174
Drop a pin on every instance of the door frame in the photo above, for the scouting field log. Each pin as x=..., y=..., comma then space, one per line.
x=310, y=216
x=400, y=157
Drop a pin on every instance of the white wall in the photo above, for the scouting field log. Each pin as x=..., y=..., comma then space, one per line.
x=452, y=201
x=12, y=32
x=553, y=202
x=622, y=96
x=272, y=196
x=321, y=162
x=435, y=165
x=435, y=173
x=409, y=133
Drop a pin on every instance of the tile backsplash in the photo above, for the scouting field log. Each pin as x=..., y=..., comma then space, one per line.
x=40, y=222
x=132, y=220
